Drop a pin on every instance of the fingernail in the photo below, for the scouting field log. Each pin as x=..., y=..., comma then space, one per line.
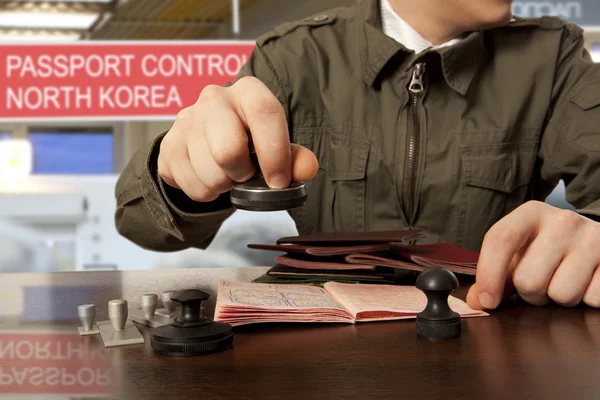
x=279, y=181
x=486, y=300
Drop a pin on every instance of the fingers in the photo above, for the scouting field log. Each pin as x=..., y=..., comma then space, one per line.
x=473, y=299
x=509, y=287
x=165, y=172
x=174, y=165
x=533, y=273
x=207, y=170
x=304, y=163
x=560, y=258
x=574, y=274
x=226, y=140
x=506, y=238
x=265, y=117
x=571, y=279
x=591, y=296
x=187, y=180
x=227, y=137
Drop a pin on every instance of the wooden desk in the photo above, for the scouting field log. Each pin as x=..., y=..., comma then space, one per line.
x=521, y=352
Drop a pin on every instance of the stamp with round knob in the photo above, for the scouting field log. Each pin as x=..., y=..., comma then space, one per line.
x=437, y=321
x=192, y=334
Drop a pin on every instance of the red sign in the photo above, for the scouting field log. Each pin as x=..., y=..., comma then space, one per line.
x=112, y=80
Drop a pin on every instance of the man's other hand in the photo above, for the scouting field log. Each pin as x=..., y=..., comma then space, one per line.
x=544, y=253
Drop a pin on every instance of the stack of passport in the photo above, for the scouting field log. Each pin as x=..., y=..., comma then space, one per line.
x=375, y=257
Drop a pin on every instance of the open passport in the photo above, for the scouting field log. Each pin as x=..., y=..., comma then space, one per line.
x=240, y=303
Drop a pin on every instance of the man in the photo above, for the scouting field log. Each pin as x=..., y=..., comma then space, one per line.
x=443, y=115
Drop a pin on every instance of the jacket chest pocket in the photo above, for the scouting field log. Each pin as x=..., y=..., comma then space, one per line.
x=337, y=194
x=495, y=181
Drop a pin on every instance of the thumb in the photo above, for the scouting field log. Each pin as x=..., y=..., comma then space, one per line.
x=473, y=298
x=473, y=294
x=502, y=242
x=304, y=163
x=509, y=287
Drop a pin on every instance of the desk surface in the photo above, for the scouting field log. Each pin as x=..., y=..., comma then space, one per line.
x=521, y=352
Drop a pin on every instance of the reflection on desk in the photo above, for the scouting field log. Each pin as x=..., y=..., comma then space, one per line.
x=52, y=360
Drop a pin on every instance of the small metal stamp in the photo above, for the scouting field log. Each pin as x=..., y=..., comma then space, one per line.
x=169, y=304
x=113, y=338
x=170, y=309
x=147, y=314
x=119, y=331
x=149, y=304
x=117, y=313
x=87, y=316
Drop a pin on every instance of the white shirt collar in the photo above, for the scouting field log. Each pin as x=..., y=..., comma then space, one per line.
x=398, y=29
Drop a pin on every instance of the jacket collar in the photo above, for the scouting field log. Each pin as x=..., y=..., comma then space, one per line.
x=460, y=62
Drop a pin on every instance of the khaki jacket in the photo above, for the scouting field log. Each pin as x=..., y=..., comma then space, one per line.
x=449, y=141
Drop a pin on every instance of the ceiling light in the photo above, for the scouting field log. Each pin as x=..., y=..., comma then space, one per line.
x=35, y=38
x=70, y=1
x=47, y=20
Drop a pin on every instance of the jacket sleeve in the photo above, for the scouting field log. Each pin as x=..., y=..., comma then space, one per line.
x=570, y=148
x=158, y=217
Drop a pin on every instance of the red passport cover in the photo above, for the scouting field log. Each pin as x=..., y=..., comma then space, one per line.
x=322, y=250
x=363, y=249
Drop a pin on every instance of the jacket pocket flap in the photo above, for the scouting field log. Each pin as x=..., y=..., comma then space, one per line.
x=503, y=167
x=588, y=97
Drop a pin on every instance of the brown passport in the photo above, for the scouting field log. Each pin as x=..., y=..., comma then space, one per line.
x=378, y=274
x=353, y=238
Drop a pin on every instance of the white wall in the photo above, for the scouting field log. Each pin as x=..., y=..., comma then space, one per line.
x=137, y=134
x=592, y=37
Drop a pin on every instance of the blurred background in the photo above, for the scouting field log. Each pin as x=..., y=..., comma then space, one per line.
x=58, y=169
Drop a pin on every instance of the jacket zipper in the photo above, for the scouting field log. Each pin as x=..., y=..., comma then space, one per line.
x=416, y=88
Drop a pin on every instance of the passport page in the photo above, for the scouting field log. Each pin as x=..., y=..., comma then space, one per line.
x=367, y=302
x=240, y=303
